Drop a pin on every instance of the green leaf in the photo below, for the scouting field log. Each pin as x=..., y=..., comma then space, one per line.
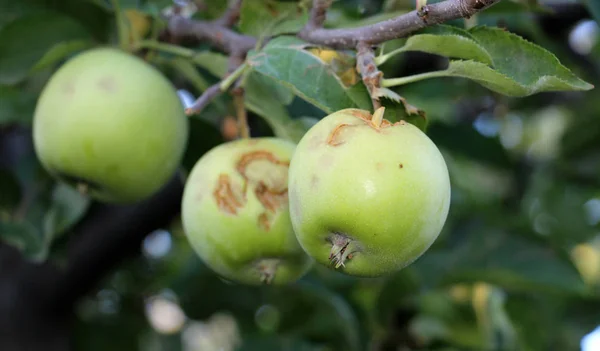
x=397, y=108
x=285, y=61
x=519, y=68
x=12, y=10
x=271, y=18
x=10, y=193
x=27, y=40
x=466, y=140
x=16, y=106
x=266, y=98
x=483, y=253
x=213, y=62
x=190, y=72
x=514, y=83
x=26, y=238
x=61, y=51
x=67, y=207
x=528, y=64
x=445, y=41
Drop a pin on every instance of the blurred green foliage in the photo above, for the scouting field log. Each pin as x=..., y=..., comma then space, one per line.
x=517, y=266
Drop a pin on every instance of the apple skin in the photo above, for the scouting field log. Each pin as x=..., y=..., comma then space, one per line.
x=111, y=122
x=383, y=193
x=235, y=212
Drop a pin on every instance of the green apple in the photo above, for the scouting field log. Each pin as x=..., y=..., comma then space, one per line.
x=235, y=212
x=367, y=196
x=111, y=124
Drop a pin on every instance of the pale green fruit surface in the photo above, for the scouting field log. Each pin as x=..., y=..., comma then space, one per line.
x=384, y=191
x=235, y=212
x=112, y=121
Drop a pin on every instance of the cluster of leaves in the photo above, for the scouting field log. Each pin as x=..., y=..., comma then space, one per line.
x=514, y=267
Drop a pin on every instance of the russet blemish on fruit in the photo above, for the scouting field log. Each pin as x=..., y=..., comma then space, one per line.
x=314, y=181
x=260, y=230
x=332, y=138
x=271, y=196
x=264, y=221
x=228, y=199
x=69, y=88
x=108, y=84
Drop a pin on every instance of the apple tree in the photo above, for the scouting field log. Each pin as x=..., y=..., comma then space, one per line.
x=299, y=174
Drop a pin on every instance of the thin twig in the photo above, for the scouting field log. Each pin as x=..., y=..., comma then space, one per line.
x=360, y=38
x=231, y=15
x=240, y=110
x=209, y=95
x=398, y=27
x=371, y=75
x=229, y=41
x=221, y=37
x=238, y=92
x=318, y=14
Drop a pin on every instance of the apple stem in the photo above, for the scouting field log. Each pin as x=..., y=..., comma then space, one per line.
x=377, y=118
x=342, y=249
x=122, y=26
x=267, y=269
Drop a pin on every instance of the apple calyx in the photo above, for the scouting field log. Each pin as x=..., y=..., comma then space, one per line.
x=83, y=186
x=343, y=249
x=267, y=267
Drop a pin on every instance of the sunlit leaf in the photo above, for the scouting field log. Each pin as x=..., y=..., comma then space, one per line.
x=286, y=61
x=519, y=68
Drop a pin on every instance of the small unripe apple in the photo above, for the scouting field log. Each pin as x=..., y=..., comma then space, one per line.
x=235, y=212
x=110, y=124
x=367, y=196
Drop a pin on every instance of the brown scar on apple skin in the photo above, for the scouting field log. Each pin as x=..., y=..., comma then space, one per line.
x=271, y=199
x=362, y=115
x=400, y=165
x=332, y=138
x=314, y=142
x=326, y=161
x=264, y=222
x=314, y=181
x=367, y=119
x=108, y=84
x=229, y=199
x=69, y=88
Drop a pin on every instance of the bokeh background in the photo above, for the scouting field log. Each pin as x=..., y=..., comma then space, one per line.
x=517, y=266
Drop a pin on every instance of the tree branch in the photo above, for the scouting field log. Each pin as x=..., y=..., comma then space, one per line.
x=401, y=26
x=371, y=75
x=313, y=32
x=221, y=37
x=361, y=38
x=209, y=95
x=318, y=14
x=108, y=235
x=231, y=15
